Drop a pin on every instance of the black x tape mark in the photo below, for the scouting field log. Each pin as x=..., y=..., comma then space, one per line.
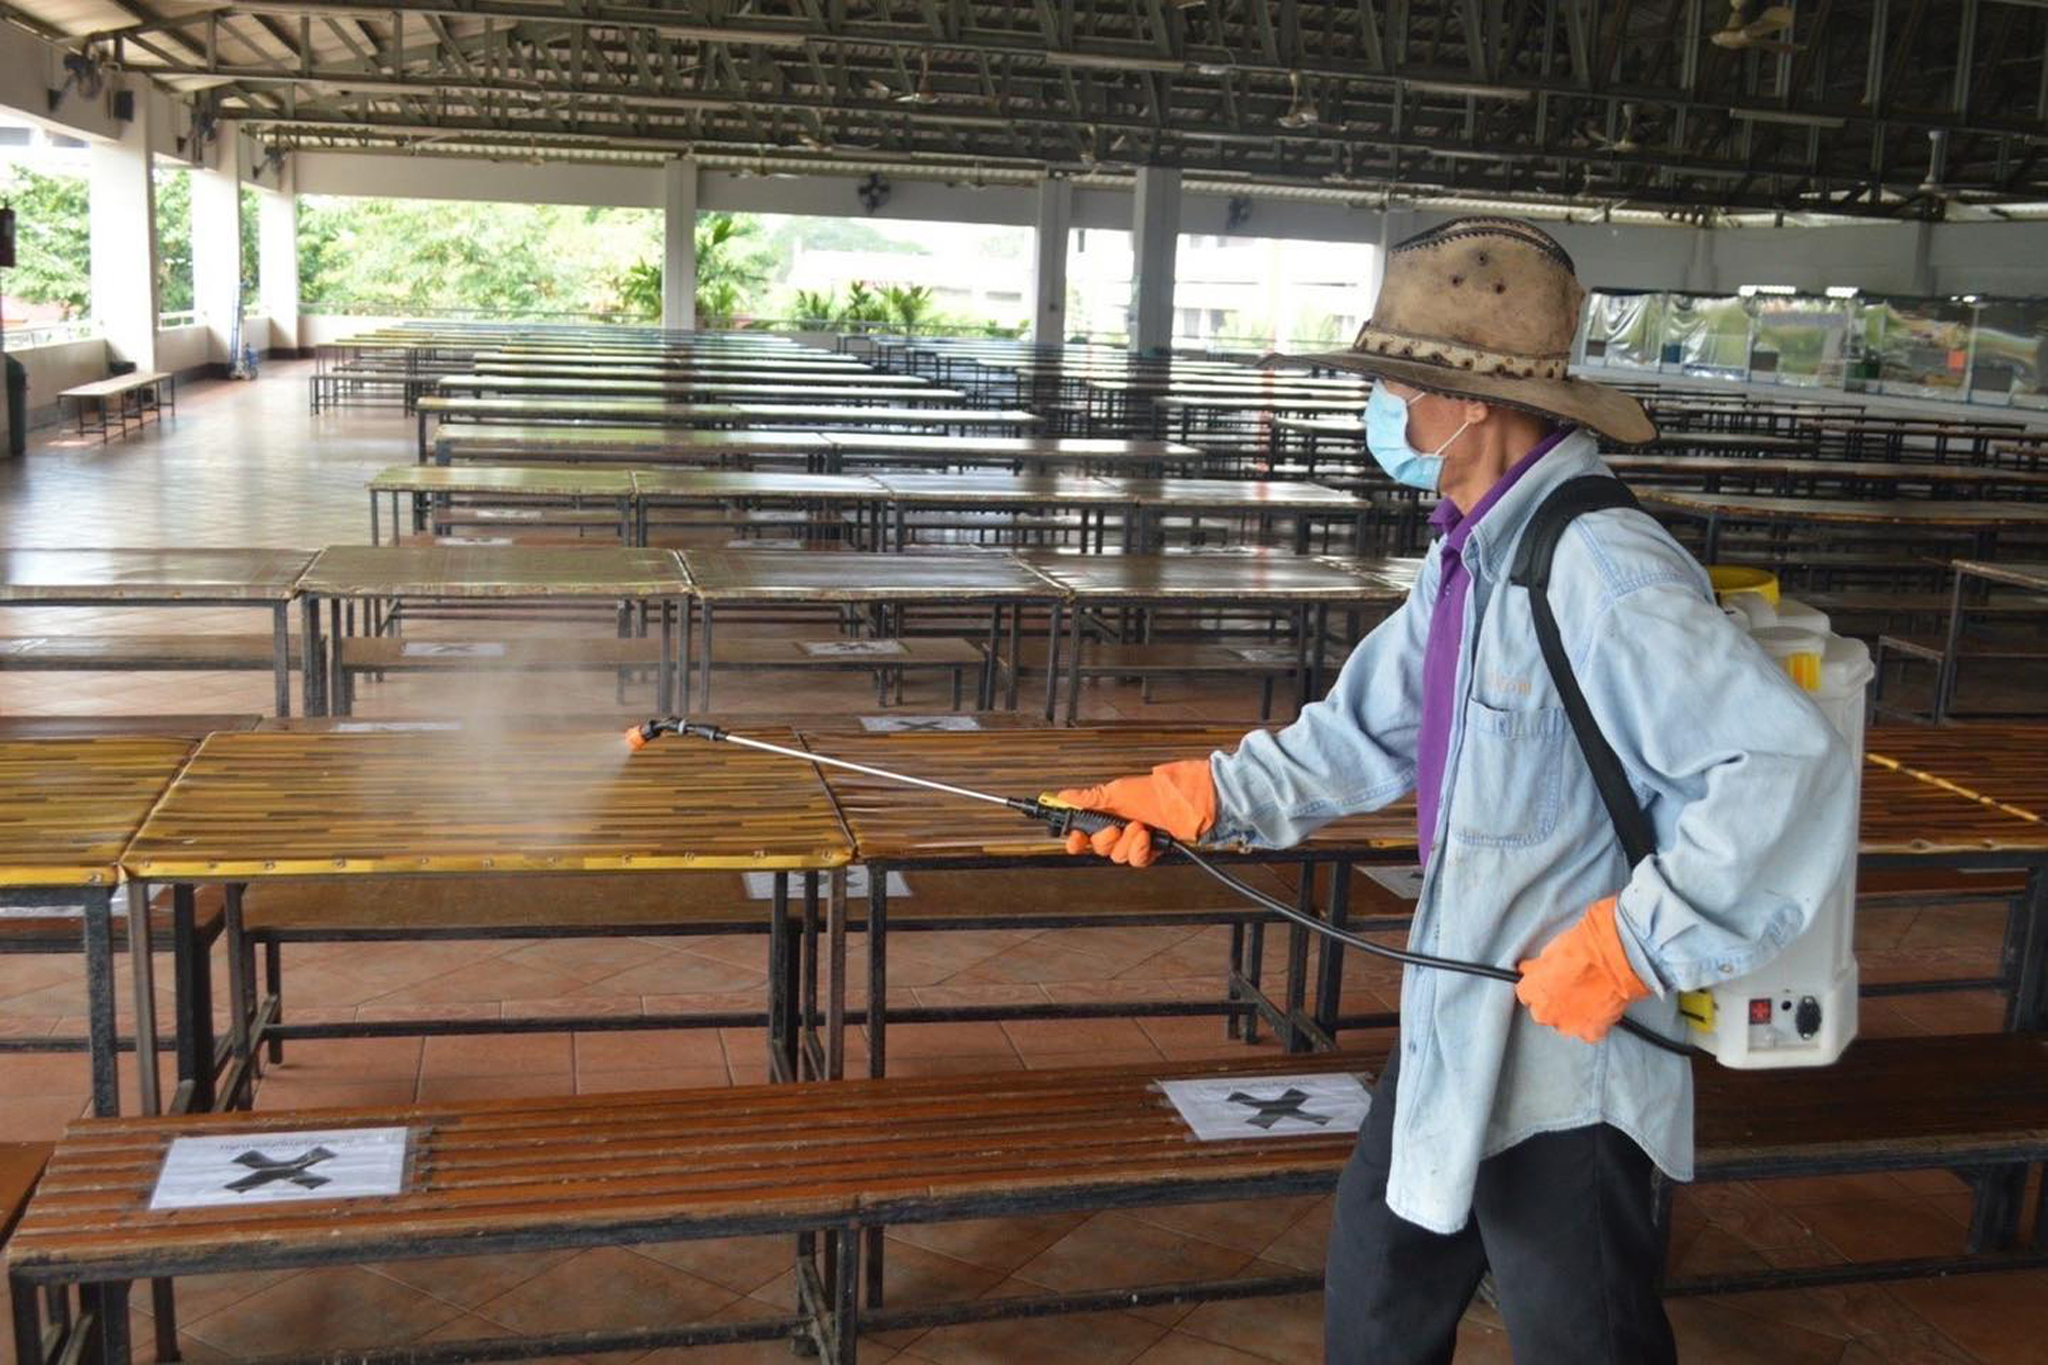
x=1287, y=1105
x=264, y=1169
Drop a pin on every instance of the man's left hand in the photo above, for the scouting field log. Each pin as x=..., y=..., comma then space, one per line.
x=1581, y=982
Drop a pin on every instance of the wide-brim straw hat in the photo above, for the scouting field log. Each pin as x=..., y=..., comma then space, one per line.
x=1486, y=308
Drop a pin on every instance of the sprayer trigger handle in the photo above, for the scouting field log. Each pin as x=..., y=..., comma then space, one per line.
x=1063, y=818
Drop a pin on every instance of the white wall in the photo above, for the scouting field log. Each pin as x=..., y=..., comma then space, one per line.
x=182, y=349
x=53, y=369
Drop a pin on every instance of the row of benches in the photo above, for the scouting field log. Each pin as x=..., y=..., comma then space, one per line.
x=831, y=1162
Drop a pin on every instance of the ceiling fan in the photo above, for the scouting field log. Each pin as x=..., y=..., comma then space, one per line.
x=1623, y=142
x=1755, y=35
x=1300, y=113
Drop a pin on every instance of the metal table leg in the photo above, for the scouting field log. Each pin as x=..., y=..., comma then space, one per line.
x=99, y=1002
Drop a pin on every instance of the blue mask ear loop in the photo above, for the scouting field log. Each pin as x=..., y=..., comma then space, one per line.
x=1438, y=453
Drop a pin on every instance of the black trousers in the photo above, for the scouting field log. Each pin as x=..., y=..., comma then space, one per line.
x=1566, y=1222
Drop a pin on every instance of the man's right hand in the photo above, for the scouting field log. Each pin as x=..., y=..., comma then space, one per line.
x=1179, y=798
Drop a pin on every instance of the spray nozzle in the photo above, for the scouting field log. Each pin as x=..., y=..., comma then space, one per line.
x=647, y=731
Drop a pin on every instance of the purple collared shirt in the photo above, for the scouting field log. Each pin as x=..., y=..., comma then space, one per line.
x=1446, y=634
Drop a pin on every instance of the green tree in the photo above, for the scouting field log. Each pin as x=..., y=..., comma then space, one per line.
x=731, y=269
x=910, y=306
x=173, y=239
x=814, y=309
x=250, y=211
x=53, y=239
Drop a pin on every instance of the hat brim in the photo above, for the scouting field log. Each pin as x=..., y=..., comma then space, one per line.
x=1608, y=411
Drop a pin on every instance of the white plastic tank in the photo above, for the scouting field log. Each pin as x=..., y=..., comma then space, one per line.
x=1799, y=1009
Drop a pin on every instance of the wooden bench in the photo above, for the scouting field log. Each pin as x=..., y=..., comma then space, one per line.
x=1115, y=659
x=134, y=398
x=699, y=905
x=142, y=653
x=834, y=1161
x=899, y=656
x=21, y=1166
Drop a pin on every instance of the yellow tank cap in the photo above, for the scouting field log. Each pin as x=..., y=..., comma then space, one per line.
x=1799, y=652
x=1729, y=579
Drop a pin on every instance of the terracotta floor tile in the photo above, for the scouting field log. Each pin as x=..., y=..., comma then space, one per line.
x=1247, y=1225
x=496, y=1054
x=947, y=1040
x=654, y=1078
x=1000, y=1244
x=340, y=1059
x=323, y=1310
x=1078, y=1339
x=282, y=1092
x=605, y=1287
x=468, y=1281
x=742, y=1264
x=519, y=1086
x=1113, y=1249
x=643, y=1049
x=2000, y=1319
x=1176, y=1348
x=1063, y=1036
x=1881, y=1229
x=1708, y=1331
x=1286, y=1329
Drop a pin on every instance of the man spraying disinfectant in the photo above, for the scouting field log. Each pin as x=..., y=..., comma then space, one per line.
x=1616, y=789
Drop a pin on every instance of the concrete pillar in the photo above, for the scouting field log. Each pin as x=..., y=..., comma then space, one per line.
x=122, y=224
x=277, y=260
x=217, y=240
x=1049, y=262
x=1155, y=228
x=679, y=244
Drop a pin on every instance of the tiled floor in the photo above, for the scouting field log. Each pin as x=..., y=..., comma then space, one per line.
x=246, y=465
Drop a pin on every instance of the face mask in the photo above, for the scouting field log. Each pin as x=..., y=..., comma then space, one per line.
x=1386, y=436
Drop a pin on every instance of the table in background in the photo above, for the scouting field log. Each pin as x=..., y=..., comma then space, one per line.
x=164, y=578
x=877, y=583
x=632, y=580
x=430, y=490
x=1982, y=521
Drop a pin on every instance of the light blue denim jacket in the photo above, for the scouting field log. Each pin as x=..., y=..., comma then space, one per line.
x=1744, y=779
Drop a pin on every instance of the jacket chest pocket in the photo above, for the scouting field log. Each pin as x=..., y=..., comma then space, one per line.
x=1510, y=775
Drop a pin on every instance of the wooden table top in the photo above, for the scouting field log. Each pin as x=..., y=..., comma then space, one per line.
x=1022, y=448
x=1259, y=402
x=150, y=575
x=255, y=806
x=984, y=489
x=583, y=444
x=1277, y=494
x=844, y=415
x=902, y=824
x=2017, y=575
x=1905, y=813
x=494, y=571
x=114, y=384
x=747, y=483
x=1249, y=577
x=590, y=409
x=912, y=389
x=2002, y=763
x=1968, y=513
x=1894, y=471
x=69, y=806
x=723, y=367
x=534, y=480
x=192, y=726
x=853, y=576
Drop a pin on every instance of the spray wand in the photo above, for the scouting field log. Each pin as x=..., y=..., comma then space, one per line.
x=1061, y=819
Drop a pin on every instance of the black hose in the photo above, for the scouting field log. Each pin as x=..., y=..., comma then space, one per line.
x=1406, y=956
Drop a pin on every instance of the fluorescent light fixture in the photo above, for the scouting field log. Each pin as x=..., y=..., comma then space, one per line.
x=1472, y=90
x=1842, y=291
x=1790, y=116
x=1750, y=290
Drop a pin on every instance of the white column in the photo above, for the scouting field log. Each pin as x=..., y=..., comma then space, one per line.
x=1049, y=262
x=1923, y=263
x=122, y=223
x=679, y=244
x=1699, y=266
x=217, y=239
x=1155, y=227
x=277, y=260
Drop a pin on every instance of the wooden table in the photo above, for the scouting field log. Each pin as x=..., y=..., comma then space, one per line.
x=263, y=807
x=824, y=494
x=886, y=389
x=1709, y=471
x=1981, y=520
x=68, y=808
x=164, y=578
x=626, y=446
x=1291, y=584
x=1093, y=499
x=592, y=413
x=431, y=488
x=1288, y=499
x=377, y=575
x=2033, y=577
x=882, y=584
x=1040, y=454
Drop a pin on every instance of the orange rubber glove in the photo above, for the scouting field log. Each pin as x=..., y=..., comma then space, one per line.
x=1179, y=798
x=1581, y=982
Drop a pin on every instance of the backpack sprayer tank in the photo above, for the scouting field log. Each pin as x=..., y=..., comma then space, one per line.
x=1799, y=1009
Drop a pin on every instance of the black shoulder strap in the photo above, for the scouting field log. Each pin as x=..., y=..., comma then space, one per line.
x=1574, y=497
